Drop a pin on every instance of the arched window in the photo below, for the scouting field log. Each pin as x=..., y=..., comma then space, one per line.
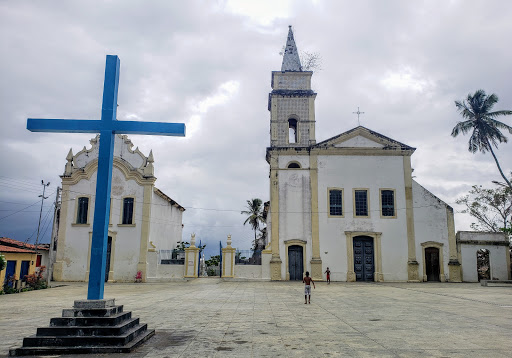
x=292, y=131
x=293, y=165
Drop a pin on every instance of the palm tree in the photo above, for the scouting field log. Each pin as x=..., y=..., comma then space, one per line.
x=477, y=115
x=255, y=212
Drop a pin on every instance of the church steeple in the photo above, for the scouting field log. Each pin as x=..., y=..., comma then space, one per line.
x=291, y=60
x=291, y=102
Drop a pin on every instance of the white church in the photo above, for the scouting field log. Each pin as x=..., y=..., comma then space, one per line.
x=143, y=220
x=348, y=202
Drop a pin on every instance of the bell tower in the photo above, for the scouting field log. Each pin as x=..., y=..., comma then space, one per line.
x=291, y=102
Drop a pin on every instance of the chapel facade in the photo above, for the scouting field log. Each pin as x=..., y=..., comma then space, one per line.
x=143, y=220
x=348, y=202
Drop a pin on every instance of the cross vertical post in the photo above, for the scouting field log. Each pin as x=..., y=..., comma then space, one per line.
x=108, y=126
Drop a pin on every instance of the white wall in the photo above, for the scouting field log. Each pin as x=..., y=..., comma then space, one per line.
x=248, y=272
x=430, y=224
x=348, y=173
x=165, y=225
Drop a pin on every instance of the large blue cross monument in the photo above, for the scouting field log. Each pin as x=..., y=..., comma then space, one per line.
x=108, y=126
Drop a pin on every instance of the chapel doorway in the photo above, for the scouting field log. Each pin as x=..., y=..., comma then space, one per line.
x=107, y=263
x=432, y=268
x=364, y=260
x=483, y=264
x=295, y=262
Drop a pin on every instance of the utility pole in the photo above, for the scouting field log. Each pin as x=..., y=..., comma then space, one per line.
x=41, y=211
x=55, y=234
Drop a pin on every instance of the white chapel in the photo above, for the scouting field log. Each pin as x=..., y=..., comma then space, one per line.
x=348, y=202
x=143, y=220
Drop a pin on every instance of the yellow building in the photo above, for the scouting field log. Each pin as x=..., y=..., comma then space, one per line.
x=22, y=259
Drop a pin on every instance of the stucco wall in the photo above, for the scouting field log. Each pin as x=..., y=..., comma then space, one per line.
x=294, y=208
x=127, y=236
x=348, y=173
x=430, y=225
x=165, y=225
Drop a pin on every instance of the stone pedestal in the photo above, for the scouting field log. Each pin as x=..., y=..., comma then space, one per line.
x=91, y=326
x=228, y=259
x=454, y=269
x=316, y=269
x=275, y=268
x=152, y=264
x=412, y=271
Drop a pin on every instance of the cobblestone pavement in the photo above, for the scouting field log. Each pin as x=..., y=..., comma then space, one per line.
x=208, y=317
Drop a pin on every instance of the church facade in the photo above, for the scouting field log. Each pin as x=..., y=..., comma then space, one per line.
x=348, y=202
x=143, y=220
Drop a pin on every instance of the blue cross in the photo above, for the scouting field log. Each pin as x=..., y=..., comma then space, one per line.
x=108, y=126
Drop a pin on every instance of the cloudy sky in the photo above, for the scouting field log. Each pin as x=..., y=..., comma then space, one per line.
x=208, y=63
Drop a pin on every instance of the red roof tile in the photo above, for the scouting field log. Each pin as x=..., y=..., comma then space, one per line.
x=4, y=248
x=15, y=243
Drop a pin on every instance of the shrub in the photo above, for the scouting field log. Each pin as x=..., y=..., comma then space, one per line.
x=35, y=280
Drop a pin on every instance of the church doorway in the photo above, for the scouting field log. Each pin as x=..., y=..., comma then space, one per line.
x=364, y=261
x=107, y=263
x=295, y=262
x=432, y=263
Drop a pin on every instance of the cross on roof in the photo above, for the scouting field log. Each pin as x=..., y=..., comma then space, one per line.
x=108, y=126
x=358, y=113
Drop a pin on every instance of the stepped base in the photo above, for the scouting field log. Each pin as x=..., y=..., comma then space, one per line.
x=96, y=326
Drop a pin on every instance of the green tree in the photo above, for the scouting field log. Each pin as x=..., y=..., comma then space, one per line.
x=492, y=208
x=476, y=110
x=255, y=212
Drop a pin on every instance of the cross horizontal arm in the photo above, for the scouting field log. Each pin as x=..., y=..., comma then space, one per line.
x=63, y=125
x=95, y=126
x=151, y=128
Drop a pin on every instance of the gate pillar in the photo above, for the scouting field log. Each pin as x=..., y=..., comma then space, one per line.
x=191, y=258
x=228, y=260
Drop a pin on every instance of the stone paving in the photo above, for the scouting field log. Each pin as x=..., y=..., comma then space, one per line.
x=208, y=317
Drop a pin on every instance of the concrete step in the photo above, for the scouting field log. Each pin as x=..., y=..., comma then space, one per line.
x=91, y=341
x=76, y=349
x=112, y=320
x=92, y=312
x=92, y=330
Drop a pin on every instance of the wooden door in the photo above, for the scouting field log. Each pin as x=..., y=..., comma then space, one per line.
x=432, y=263
x=364, y=262
x=295, y=262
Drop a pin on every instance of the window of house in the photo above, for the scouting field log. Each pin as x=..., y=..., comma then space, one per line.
x=292, y=130
x=127, y=211
x=361, y=202
x=83, y=208
x=387, y=198
x=336, y=202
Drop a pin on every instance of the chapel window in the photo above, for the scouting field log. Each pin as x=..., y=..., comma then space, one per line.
x=336, y=202
x=83, y=208
x=293, y=165
x=387, y=199
x=361, y=202
x=292, y=131
x=127, y=211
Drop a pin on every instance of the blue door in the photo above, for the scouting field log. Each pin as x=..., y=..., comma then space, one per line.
x=295, y=262
x=364, y=267
x=10, y=271
x=24, y=270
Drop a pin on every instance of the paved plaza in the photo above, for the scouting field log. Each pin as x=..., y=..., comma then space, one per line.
x=208, y=317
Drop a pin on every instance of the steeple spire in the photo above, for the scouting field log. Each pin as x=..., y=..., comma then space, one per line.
x=291, y=60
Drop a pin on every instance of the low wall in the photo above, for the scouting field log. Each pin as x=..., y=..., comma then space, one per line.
x=470, y=242
x=168, y=273
x=248, y=272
